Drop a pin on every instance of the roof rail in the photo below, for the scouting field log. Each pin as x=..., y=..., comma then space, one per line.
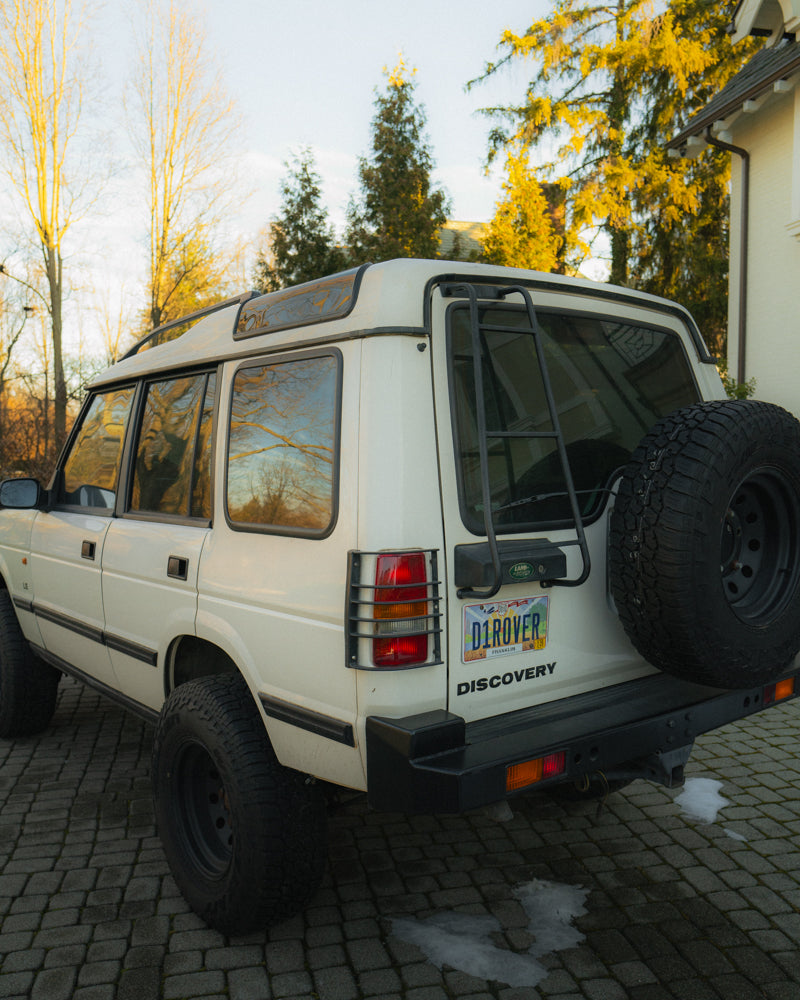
x=188, y=318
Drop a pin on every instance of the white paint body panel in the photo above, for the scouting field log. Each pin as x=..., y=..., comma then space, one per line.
x=274, y=603
x=143, y=605
x=67, y=584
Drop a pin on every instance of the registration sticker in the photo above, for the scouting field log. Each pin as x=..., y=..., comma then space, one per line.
x=502, y=627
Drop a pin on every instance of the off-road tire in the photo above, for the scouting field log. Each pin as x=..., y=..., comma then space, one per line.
x=704, y=553
x=28, y=686
x=245, y=837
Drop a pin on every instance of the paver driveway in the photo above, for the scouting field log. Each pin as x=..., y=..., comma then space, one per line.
x=664, y=905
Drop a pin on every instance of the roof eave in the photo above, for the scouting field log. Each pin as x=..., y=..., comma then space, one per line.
x=714, y=114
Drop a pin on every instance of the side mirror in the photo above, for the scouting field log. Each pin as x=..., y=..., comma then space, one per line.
x=20, y=494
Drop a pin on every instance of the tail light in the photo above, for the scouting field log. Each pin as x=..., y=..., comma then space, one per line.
x=778, y=691
x=398, y=613
x=400, y=610
x=529, y=772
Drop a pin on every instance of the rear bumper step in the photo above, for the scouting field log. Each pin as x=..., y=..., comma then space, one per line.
x=436, y=763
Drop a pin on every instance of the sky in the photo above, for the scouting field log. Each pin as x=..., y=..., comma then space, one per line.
x=303, y=73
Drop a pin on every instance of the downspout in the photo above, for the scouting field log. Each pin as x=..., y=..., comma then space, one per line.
x=743, y=262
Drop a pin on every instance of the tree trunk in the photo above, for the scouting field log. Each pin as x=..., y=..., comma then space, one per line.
x=53, y=266
x=619, y=257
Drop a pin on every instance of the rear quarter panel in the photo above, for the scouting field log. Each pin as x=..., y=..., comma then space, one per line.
x=275, y=603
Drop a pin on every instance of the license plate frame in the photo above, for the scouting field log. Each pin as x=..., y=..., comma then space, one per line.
x=501, y=628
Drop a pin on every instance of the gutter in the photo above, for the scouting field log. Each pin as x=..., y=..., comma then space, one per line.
x=743, y=245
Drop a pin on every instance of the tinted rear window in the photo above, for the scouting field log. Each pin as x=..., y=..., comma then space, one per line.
x=611, y=382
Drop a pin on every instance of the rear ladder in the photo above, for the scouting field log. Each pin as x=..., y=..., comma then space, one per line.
x=477, y=330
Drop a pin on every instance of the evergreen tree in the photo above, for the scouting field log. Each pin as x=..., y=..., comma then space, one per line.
x=686, y=258
x=302, y=245
x=612, y=84
x=398, y=213
x=522, y=232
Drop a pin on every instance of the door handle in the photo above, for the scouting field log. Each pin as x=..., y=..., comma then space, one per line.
x=177, y=567
x=88, y=550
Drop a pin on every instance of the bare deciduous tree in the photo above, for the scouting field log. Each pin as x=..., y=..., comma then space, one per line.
x=14, y=314
x=183, y=126
x=40, y=110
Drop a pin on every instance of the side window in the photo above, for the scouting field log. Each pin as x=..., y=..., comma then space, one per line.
x=201, y=489
x=171, y=472
x=91, y=468
x=282, y=447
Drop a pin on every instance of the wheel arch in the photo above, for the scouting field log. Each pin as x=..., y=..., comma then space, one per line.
x=191, y=657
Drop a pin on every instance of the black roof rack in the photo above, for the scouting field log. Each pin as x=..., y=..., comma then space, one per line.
x=188, y=318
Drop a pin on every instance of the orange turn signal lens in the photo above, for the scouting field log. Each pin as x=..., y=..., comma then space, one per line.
x=778, y=691
x=520, y=775
x=528, y=772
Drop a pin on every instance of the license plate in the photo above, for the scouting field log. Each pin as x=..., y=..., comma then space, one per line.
x=502, y=627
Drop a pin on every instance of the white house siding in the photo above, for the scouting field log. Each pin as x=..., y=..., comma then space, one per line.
x=772, y=353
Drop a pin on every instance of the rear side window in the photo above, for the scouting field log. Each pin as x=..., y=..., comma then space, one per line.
x=282, y=448
x=171, y=472
x=92, y=465
x=611, y=382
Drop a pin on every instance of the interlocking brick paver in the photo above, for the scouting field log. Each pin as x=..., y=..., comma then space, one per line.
x=674, y=908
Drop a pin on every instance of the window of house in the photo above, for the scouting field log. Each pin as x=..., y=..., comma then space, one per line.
x=172, y=467
x=282, y=447
x=91, y=469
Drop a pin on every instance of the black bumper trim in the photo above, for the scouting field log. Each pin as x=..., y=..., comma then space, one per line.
x=434, y=762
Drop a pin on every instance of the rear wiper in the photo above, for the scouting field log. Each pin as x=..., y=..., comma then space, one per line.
x=540, y=497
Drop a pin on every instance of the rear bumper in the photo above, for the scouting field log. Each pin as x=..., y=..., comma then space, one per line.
x=436, y=763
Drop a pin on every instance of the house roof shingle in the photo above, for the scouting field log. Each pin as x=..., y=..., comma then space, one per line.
x=765, y=68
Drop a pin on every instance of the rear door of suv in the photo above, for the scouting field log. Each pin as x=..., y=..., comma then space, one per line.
x=152, y=550
x=538, y=624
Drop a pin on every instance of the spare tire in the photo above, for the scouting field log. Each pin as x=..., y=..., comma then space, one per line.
x=704, y=553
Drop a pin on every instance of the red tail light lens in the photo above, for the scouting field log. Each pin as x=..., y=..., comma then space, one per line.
x=401, y=604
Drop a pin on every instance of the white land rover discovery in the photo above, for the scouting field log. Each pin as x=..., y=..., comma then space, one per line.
x=437, y=532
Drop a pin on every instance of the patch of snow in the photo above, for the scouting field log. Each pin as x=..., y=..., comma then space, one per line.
x=700, y=799
x=734, y=835
x=463, y=941
x=551, y=908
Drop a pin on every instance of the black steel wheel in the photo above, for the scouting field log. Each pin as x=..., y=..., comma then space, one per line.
x=245, y=837
x=704, y=553
x=203, y=809
x=760, y=547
